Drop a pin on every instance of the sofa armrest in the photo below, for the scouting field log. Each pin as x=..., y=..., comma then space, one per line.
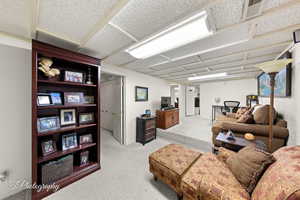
x=281, y=123
x=255, y=129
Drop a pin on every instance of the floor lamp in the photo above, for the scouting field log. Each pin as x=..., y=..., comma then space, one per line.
x=272, y=68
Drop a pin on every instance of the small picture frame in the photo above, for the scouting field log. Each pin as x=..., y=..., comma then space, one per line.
x=141, y=93
x=69, y=141
x=76, y=77
x=84, y=158
x=73, y=98
x=86, y=118
x=48, y=147
x=44, y=99
x=89, y=99
x=56, y=98
x=67, y=117
x=45, y=124
x=85, y=139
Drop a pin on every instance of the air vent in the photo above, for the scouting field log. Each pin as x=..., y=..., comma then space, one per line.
x=253, y=8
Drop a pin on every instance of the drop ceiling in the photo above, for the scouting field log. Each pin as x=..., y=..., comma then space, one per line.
x=105, y=28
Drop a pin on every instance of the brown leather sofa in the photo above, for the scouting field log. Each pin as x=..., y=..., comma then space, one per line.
x=261, y=132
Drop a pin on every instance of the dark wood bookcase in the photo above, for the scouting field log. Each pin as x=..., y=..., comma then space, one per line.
x=64, y=60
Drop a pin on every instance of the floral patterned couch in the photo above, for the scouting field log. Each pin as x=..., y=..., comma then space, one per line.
x=208, y=178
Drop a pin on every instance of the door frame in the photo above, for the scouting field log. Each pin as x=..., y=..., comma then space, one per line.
x=123, y=82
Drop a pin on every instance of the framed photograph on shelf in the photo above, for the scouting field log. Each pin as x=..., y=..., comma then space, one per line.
x=44, y=99
x=48, y=123
x=86, y=118
x=141, y=93
x=85, y=139
x=89, y=99
x=56, y=98
x=48, y=147
x=67, y=117
x=76, y=77
x=73, y=98
x=84, y=157
x=69, y=141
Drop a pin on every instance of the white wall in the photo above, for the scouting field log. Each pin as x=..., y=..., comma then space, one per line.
x=15, y=118
x=157, y=89
x=235, y=90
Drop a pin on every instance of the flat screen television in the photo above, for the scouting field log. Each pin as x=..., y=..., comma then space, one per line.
x=165, y=102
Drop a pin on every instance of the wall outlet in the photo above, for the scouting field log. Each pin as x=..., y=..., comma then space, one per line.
x=4, y=176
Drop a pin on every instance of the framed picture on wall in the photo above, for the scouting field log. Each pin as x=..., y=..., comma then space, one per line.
x=141, y=93
x=283, y=82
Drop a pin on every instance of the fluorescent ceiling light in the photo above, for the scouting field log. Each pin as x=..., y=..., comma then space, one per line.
x=189, y=30
x=207, y=76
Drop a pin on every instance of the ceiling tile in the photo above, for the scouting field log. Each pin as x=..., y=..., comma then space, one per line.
x=279, y=20
x=177, y=63
x=148, y=62
x=268, y=4
x=142, y=18
x=15, y=17
x=250, y=45
x=120, y=58
x=108, y=40
x=72, y=18
x=227, y=13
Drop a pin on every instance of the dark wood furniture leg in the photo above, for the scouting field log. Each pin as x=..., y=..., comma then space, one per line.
x=179, y=197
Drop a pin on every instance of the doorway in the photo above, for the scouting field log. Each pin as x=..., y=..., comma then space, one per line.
x=112, y=105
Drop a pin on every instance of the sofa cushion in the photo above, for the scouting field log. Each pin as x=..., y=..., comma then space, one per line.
x=176, y=157
x=261, y=114
x=224, y=154
x=240, y=112
x=248, y=165
x=171, y=162
x=212, y=180
x=246, y=118
x=281, y=181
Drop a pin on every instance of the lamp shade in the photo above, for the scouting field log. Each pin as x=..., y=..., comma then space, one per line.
x=274, y=65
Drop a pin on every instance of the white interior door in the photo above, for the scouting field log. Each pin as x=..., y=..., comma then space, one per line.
x=117, y=110
x=112, y=107
x=190, y=101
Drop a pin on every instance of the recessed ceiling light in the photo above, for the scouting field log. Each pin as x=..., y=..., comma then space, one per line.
x=187, y=31
x=207, y=76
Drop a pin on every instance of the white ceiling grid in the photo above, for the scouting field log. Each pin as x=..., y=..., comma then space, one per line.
x=72, y=20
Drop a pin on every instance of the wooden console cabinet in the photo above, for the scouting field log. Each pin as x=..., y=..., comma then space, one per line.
x=167, y=118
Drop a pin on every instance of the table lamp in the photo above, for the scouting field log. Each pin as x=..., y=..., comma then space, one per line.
x=272, y=68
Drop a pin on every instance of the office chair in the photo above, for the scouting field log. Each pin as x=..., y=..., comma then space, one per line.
x=230, y=106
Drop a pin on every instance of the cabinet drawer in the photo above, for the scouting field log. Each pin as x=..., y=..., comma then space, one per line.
x=149, y=124
x=149, y=134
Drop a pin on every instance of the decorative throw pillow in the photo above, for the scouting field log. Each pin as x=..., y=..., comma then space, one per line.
x=261, y=114
x=246, y=118
x=240, y=112
x=248, y=165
